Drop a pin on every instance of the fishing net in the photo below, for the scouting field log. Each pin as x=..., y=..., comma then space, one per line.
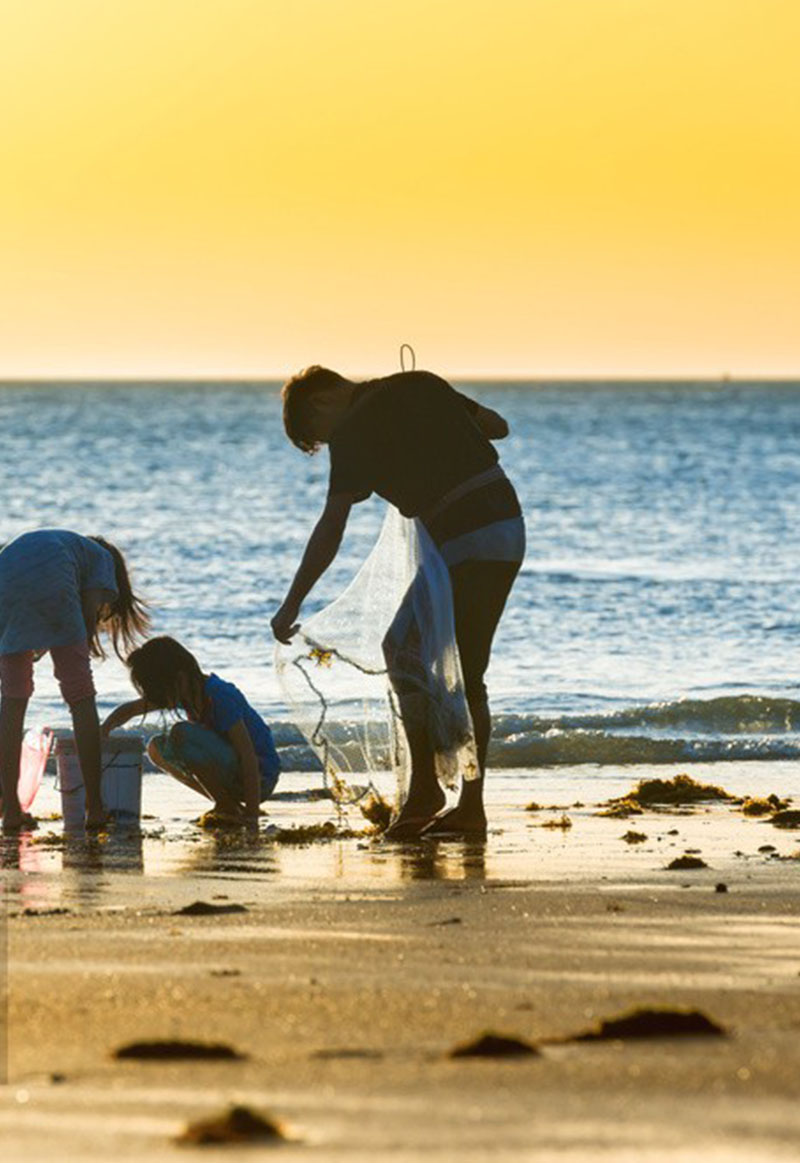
x=377, y=671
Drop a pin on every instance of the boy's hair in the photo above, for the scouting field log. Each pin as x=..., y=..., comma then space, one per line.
x=125, y=619
x=297, y=394
x=155, y=668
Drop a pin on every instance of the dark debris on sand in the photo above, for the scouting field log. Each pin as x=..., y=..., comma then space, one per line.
x=206, y=909
x=491, y=1045
x=239, y=1124
x=176, y=1050
x=310, y=833
x=681, y=863
x=652, y=793
x=653, y=1023
x=377, y=810
x=786, y=819
x=763, y=805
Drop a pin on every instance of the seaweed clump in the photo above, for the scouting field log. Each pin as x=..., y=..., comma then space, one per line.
x=763, y=806
x=239, y=1124
x=309, y=833
x=686, y=861
x=378, y=811
x=631, y=837
x=177, y=1050
x=491, y=1045
x=786, y=819
x=563, y=822
x=651, y=793
x=205, y=909
x=653, y=1023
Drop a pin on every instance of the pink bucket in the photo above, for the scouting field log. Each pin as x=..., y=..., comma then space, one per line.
x=33, y=759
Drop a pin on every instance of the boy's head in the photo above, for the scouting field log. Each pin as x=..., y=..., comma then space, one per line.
x=164, y=672
x=313, y=401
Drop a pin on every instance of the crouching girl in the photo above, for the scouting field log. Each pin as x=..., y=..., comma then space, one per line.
x=223, y=749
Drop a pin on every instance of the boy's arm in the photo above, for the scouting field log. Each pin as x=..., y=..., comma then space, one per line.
x=242, y=744
x=123, y=713
x=322, y=547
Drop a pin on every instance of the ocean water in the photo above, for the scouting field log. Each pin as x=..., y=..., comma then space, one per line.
x=657, y=615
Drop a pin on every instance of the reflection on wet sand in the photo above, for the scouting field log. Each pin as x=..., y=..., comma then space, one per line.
x=431, y=860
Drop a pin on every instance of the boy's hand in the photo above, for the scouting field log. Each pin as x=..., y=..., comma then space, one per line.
x=285, y=624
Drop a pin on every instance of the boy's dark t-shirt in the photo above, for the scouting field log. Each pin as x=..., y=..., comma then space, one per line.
x=410, y=438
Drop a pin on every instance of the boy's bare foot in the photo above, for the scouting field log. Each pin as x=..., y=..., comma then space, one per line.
x=458, y=822
x=415, y=815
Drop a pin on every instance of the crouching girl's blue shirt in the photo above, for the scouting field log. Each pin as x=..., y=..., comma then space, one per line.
x=226, y=706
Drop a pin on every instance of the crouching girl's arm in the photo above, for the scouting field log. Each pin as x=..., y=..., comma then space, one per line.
x=122, y=714
x=242, y=744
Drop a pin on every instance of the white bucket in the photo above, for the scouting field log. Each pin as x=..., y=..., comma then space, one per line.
x=122, y=779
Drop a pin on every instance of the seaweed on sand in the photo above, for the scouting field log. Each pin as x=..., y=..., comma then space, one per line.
x=309, y=833
x=681, y=863
x=491, y=1045
x=763, y=805
x=650, y=793
x=239, y=1124
x=563, y=822
x=176, y=1050
x=620, y=809
x=653, y=1023
x=631, y=837
x=786, y=819
x=377, y=810
x=204, y=909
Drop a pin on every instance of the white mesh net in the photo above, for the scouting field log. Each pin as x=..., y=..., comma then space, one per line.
x=381, y=662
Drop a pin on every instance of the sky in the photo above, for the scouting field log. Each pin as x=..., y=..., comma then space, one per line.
x=516, y=187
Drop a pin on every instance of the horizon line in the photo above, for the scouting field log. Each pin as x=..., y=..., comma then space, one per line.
x=473, y=376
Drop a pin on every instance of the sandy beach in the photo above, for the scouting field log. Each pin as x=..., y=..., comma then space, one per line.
x=344, y=973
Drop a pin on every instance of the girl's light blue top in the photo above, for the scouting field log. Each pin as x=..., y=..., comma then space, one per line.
x=42, y=576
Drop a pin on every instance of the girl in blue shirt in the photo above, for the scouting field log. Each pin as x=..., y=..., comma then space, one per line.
x=223, y=749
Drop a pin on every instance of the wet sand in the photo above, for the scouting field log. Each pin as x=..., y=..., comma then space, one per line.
x=357, y=966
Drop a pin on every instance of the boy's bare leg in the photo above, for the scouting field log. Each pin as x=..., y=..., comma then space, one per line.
x=425, y=796
x=12, y=722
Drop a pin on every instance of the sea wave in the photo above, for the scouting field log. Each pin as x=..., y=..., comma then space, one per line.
x=740, y=727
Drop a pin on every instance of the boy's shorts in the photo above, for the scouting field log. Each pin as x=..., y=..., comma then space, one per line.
x=200, y=744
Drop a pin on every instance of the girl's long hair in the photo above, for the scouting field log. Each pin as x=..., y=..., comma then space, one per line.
x=125, y=620
x=156, y=669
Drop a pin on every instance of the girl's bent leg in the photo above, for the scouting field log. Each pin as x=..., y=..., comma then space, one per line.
x=158, y=749
x=202, y=759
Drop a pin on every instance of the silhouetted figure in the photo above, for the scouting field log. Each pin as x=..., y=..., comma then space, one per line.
x=426, y=449
x=58, y=592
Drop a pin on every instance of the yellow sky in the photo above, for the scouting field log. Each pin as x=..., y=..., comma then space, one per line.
x=242, y=187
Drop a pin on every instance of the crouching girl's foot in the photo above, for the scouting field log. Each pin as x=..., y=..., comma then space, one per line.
x=224, y=814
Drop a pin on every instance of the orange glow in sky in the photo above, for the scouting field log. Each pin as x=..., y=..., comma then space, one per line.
x=543, y=187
